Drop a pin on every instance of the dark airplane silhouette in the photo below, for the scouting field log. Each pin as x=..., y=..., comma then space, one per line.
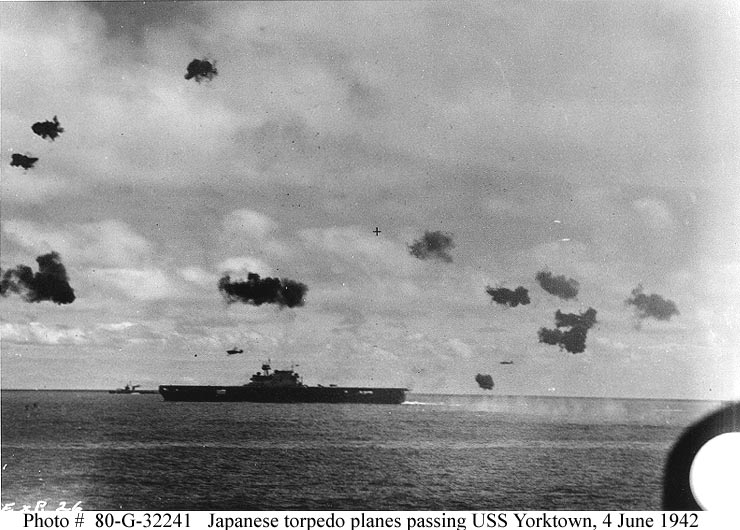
x=506, y=362
x=234, y=351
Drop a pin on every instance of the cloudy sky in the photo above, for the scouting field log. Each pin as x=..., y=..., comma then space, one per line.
x=595, y=140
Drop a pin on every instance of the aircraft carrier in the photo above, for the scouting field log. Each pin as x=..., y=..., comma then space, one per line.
x=283, y=386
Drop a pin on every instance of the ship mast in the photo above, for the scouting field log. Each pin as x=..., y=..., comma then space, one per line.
x=266, y=367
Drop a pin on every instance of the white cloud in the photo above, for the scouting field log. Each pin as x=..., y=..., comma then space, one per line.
x=18, y=186
x=250, y=223
x=107, y=243
x=105, y=334
x=508, y=207
x=244, y=264
x=356, y=247
x=199, y=276
x=656, y=214
x=460, y=348
x=38, y=333
x=253, y=232
x=140, y=284
x=115, y=326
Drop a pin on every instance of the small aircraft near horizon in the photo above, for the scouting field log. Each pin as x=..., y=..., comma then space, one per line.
x=234, y=351
x=506, y=362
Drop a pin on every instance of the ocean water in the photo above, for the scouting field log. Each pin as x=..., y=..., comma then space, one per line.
x=435, y=452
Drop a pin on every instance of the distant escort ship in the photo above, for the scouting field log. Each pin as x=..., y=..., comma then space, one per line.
x=283, y=386
x=128, y=389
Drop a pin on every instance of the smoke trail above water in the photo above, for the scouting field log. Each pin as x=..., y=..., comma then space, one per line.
x=258, y=291
x=433, y=245
x=50, y=283
x=559, y=286
x=652, y=305
x=504, y=296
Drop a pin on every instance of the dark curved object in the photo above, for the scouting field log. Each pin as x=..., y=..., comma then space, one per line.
x=677, y=494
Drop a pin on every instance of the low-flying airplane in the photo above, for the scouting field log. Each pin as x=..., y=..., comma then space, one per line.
x=506, y=362
x=234, y=351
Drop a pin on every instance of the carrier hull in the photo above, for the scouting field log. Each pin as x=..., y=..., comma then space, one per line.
x=303, y=394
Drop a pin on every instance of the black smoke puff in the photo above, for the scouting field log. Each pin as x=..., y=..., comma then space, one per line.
x=484, y=381
x=433, y=245
x=201, y=69
x=504, y=296
x=652, y=305
x=559, y=286
x=585, y=320
x=574, y=339
x=550, y=336
x=26, y=162
x=50, y=283
x=47, y=129
x=258, y=291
